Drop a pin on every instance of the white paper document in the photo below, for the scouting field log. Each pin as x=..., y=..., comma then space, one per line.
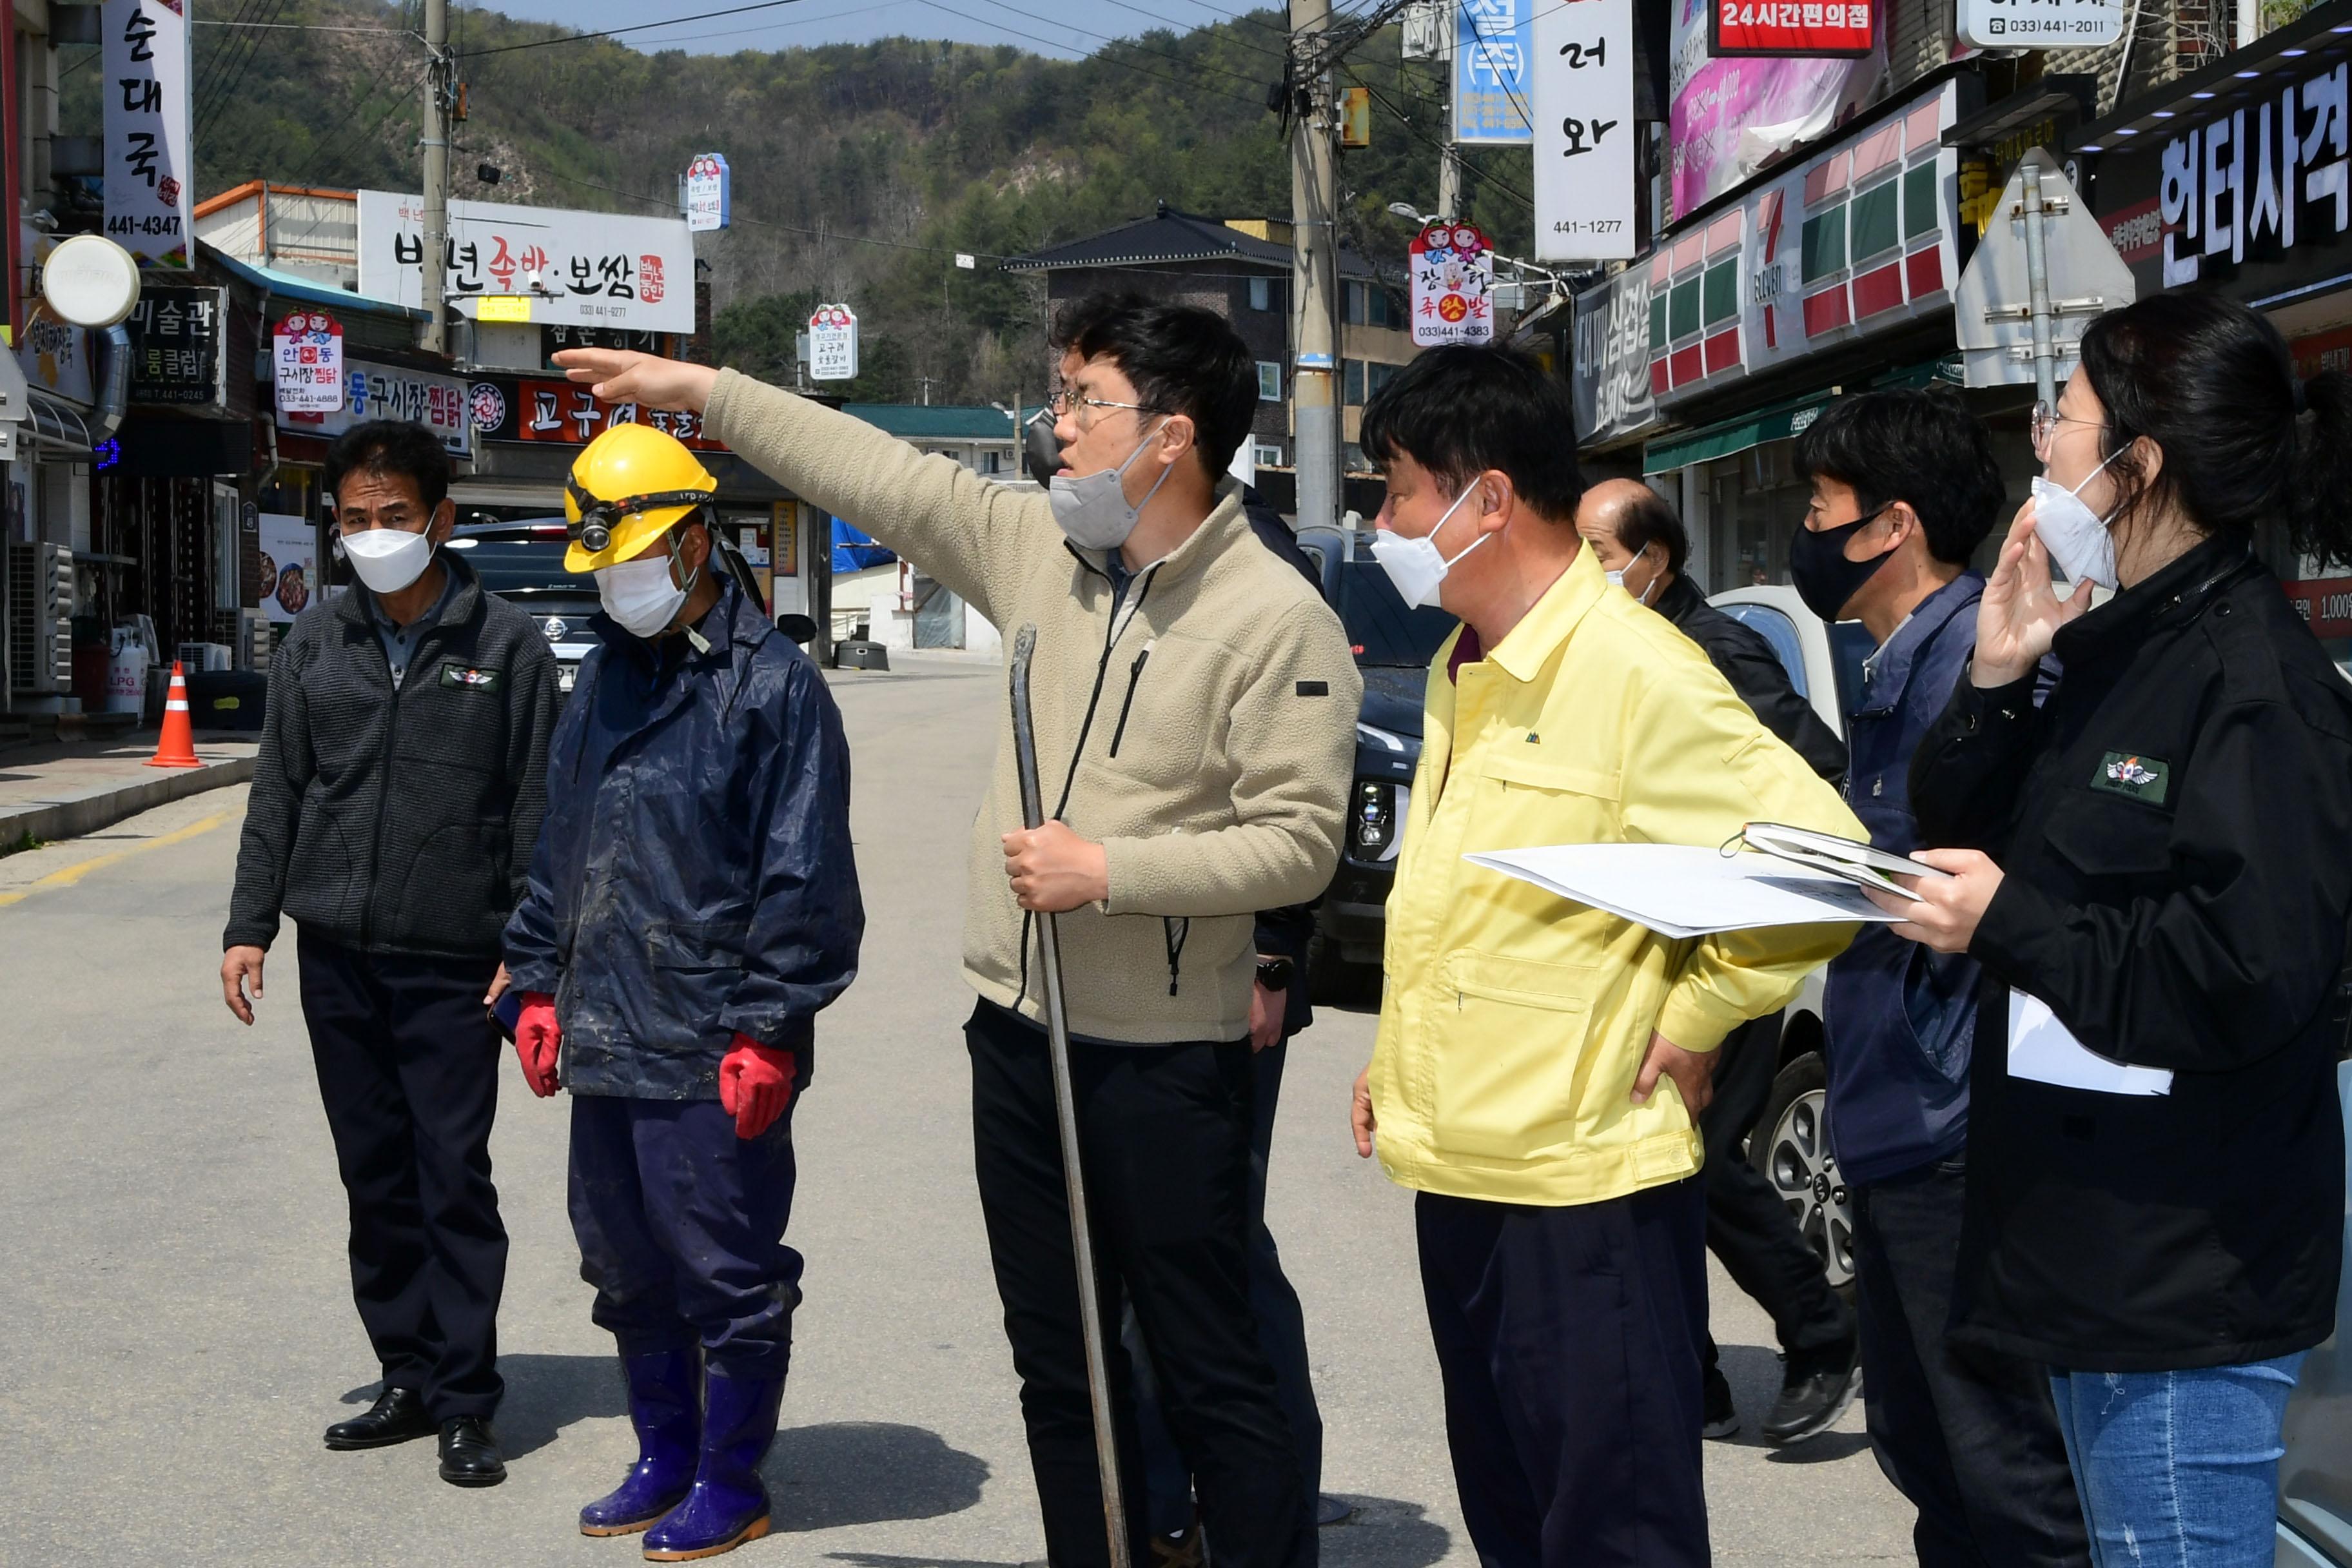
x=1680, y=890
x=2044, y=1050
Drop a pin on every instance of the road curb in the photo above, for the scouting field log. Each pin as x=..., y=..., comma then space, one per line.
x=103, y=805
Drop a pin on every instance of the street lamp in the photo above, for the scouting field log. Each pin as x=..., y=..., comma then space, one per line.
x=1406, y=210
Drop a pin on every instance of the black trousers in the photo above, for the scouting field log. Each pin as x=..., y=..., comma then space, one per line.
x=408, y=1070
x=1748, y=1228
x=1164, y=1135
x=1281, y=1332
x=1568, y=1341
x=1969, y=1436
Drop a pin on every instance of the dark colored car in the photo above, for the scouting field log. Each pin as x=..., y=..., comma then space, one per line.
x=522, y=562
x=1394, y=645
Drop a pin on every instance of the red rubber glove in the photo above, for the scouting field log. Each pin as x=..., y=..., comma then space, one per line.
x=755, y=1085
x=537, y=1039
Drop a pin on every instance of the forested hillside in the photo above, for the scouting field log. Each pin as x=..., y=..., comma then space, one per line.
x=859, y=170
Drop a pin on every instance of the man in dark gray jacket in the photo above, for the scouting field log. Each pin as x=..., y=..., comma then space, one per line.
x=394, y=806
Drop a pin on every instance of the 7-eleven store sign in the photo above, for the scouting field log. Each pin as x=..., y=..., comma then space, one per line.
x=1850, y=243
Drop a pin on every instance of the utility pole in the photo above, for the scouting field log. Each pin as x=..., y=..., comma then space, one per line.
x=1449, y=152
x=435, y=138
x=1316, y=417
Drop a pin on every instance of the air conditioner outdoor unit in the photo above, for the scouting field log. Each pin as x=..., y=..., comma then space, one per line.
x=254, y=642
x=40, y=618
x=196, y=656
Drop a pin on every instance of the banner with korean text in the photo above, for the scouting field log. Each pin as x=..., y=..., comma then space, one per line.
x=149, y=165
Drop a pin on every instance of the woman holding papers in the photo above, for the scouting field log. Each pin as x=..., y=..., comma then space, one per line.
x=2157, y=888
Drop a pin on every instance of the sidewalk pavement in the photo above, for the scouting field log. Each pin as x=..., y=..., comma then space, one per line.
x=54, y=789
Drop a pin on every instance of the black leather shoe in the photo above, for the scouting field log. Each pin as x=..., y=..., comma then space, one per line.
x=398, y=1415
x=1722, y=1416
x=469, y=1455
x=1814, y=1392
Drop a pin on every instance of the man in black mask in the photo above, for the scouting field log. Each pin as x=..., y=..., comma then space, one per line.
x=1904, y=489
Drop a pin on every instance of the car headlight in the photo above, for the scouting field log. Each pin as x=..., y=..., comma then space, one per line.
x=1376, y=820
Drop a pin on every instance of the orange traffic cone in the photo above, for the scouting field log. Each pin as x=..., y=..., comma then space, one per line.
x=177, y=747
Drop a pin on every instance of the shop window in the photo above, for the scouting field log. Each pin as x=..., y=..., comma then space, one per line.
x=1876, y=223
x=1682, y=308
x=1825, y=244
x=1920, y=208
x=1658, y=338
x=1269, y=381
x=1719, y=299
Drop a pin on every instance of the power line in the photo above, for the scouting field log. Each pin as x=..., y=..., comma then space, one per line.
x=616, y=32
x=670, y=205
x=1177, y=60
x=1425, y=139
x=1107, y=58
x=293, y=26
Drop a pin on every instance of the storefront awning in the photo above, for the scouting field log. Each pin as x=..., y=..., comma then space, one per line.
x=1779, y=423
x=57, y=426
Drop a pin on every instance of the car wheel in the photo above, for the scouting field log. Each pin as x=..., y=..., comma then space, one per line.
x=1791, y=1147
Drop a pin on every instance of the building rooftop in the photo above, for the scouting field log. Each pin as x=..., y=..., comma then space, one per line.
x=938, y=421
x=1168, y=237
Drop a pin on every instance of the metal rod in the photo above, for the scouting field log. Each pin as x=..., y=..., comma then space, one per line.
x=2037, y=286
x=1065, y=1114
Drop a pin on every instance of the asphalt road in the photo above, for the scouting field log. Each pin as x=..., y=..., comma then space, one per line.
x=176, y=1326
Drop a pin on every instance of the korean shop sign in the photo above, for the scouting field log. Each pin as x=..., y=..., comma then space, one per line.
x=1453, y=274
x=307, y=359
x=1771, y=27
x=145, y=92
x=529, y=408
x=578, y=268
x=1584, y=185
x=374, y=390
x=1612, y=386
x=178, y=341
x=2040, y=24
x=2251, y=198
x=1494, y=81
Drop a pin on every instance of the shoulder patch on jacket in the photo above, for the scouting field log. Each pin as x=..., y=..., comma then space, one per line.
x=469, y=678
x=2128, y=773
x=1314, y=688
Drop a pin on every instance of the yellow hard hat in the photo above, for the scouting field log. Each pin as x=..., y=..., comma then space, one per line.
x=629, y=486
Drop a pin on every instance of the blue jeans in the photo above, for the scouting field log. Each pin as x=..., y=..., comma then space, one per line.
x=2178, y=1470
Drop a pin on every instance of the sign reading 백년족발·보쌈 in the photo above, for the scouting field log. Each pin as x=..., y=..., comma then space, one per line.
x=579, y=269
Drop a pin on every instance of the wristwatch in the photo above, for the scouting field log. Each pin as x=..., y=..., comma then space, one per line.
x=1274, y=974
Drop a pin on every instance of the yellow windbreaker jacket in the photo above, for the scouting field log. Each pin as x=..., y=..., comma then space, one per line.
x=1515, y=1021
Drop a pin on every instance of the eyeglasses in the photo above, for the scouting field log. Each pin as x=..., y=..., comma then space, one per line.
x=1068, y=400
x=2046, y=420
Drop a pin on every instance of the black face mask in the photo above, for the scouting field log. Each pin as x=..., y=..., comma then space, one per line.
x=1041, y=452
x=1825, y=579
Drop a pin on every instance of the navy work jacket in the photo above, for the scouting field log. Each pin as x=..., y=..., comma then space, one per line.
x=1901, y=1017
x=695, y=877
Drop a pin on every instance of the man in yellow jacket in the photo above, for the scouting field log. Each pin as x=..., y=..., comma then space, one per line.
x=1540, y=1064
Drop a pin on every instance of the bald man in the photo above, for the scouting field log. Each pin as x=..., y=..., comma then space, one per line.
x=1642, y=545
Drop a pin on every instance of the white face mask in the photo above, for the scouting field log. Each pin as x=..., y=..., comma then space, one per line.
x=643, y=594
x=1416, y=566
x=1092, y=508
x=388, y=559
x=2076, y=536
x=1617, y=578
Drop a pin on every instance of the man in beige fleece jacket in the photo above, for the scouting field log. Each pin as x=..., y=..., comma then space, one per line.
x=1195, y=708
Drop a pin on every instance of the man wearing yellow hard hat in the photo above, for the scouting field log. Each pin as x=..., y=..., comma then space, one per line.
x=692, y=904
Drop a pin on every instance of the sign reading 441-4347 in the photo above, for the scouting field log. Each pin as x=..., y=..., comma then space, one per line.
x=2041, y=23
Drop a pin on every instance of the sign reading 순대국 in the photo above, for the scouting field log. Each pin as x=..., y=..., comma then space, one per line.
x=1584, y=184
x=148, y=166
x=1493, y=53
x=1452, y=276
x=832, y=343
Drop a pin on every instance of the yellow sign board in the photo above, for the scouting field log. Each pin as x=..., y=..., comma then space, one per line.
x=1356, y=117
x=503, y=308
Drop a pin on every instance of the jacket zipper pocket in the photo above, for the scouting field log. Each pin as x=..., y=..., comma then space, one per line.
x=1134, y=679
